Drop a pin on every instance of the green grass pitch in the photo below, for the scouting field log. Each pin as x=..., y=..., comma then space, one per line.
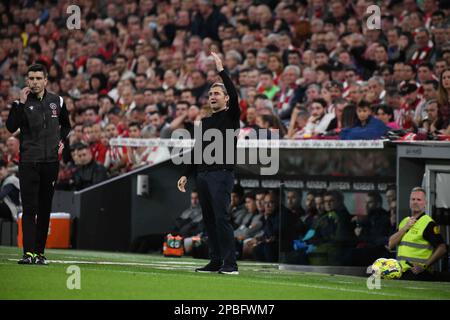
x=106, y=275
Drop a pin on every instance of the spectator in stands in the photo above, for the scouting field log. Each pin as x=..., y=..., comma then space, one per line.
x=267, y=85
x=288, y=86
x=116, y=158
x=12, y=156
x=88, y=172
x=444, y=97
x=299, y=119
x=385, y=113
x=433, y=123
x=366, y=127
x=319, y=119
x=337, y=123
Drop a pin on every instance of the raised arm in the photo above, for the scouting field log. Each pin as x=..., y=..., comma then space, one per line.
x=233, y=103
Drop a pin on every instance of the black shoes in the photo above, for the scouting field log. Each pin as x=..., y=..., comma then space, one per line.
x=210, y=267
x=41, y=259
x=28, y=258
x=214, y=267
x=31, y=258
x=229, y=270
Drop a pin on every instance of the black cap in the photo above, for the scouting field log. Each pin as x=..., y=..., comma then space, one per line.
x=407, y=88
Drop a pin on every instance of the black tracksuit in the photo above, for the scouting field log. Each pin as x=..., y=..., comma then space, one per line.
x=43, y=123
x=215, y=183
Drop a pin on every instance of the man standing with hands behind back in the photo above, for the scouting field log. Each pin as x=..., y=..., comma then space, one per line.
x=43, y=121
x=215, y=181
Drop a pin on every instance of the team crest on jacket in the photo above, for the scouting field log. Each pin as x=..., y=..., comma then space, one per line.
x=31, y=107
x=53, y=106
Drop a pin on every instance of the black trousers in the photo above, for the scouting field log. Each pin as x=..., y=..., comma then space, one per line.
x=37, y=181
x=214, y=192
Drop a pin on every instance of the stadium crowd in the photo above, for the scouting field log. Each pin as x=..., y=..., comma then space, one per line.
x=303, y=69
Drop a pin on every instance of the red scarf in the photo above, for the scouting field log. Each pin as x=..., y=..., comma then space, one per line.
x=420, y=55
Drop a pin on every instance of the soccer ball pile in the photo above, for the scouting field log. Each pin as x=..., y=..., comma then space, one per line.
x=387, y=268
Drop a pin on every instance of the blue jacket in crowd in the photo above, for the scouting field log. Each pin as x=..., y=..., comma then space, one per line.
x=373, y=129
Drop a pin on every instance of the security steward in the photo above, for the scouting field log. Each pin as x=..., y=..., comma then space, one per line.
x=44, y=123
x=419, y=241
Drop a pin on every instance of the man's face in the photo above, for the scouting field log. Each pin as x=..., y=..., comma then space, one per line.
x=432, y=111
x=266, y=81
x=424, y=74
x=355, y=93
x=217, y=98
x=111, y=131
x=421, y=39
x=317, y=110
x=410, y=98
x=269, y=204
x=36, y=81
x=113, y=76
x=155, y=120
x=328, y=203
x=399, y=72
x=392, y=37
x=289, y=77
x=291, y=199
x=12, y=145
x=253, y=77
x=375, y=87
x=380, y=54
x=234, y=199
x=439, y=67
x=90, y=116
x=121, y=64
x=408, y=73
x=293, y=59
x=180, y=110
x=318, y=202
x=84, y=156
x=417, y=202
x=260, y=202
x=321, y=58
x=134, y=132
x=390, y=196
x=197, y=80
x=429, y=92
x=250, y=205
x=194, y=199
x=141, y=82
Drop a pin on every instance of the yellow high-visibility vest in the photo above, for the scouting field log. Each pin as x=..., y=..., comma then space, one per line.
x=413, y=247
